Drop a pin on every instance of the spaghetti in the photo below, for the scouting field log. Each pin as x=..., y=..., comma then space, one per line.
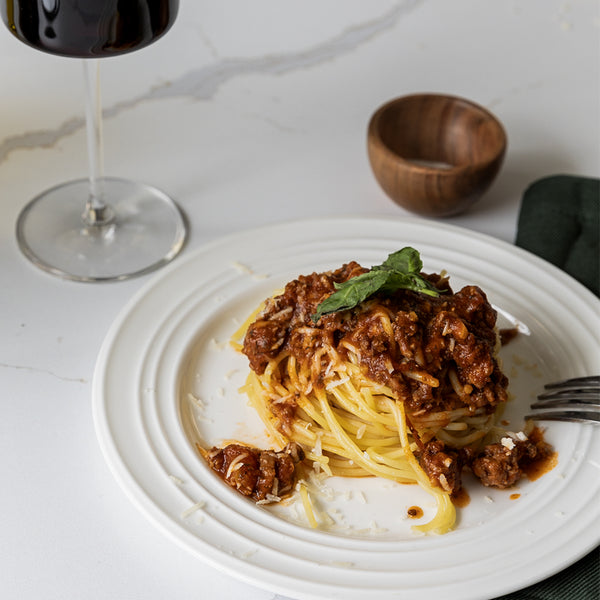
x=403, y=386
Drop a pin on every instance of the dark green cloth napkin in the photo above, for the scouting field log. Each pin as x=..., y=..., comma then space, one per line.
x=580, y=581
x=560, y=221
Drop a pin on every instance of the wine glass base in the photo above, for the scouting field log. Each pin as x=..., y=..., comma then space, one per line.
x=148, y=230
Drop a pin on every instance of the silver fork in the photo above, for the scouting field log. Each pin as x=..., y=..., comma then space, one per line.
x=576, y=399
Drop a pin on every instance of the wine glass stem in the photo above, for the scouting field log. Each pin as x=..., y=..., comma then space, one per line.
x=96, y=212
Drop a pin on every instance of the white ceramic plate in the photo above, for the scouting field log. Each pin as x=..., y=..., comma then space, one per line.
x=166, y=379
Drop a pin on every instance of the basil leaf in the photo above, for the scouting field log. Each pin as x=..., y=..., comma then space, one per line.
x=407, y=260
x=421, y=285
x=352, y=292
x=397, y=281
x=401, y=270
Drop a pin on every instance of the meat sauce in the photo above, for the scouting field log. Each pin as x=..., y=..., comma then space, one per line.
x=501, y=465
x=263, y=475
x=453, y=332
x=545, y=460
x=428, y=334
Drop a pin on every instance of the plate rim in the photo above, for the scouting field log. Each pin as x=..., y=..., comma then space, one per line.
x=100, y=419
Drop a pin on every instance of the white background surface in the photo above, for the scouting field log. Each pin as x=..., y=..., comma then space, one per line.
x=245, y=113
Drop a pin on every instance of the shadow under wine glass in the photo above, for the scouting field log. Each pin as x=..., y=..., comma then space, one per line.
x=99, y=228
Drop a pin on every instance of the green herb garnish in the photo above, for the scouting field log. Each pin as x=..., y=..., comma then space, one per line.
x=400, y=270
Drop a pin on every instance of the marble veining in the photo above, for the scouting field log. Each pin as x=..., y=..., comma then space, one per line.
x=42, y=371
x=203, y=83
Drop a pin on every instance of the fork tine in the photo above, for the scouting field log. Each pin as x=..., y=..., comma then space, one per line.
x=586, y=395
x=580, y=397
x=580, y=392
x=576, y=416
x=566, y=400
x=592, y=381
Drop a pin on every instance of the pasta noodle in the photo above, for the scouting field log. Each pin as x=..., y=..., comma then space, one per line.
x=403, y=386
x=330, y=418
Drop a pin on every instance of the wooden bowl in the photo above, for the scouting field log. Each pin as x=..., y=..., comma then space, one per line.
x=435, y=155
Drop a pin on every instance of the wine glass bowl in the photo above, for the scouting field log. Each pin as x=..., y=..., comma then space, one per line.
x=433, y=154
x=100, y=228
x=88, y=28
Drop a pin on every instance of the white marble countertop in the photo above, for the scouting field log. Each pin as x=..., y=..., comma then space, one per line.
x=246, y=113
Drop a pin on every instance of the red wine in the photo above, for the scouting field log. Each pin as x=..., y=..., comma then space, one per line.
x=88, y=28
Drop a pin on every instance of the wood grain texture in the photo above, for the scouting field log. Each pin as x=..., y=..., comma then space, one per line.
x=435, y=155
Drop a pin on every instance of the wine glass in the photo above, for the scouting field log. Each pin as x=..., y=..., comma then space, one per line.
x=99, y=228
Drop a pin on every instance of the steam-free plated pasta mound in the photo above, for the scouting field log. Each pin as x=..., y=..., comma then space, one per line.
x=378, y=372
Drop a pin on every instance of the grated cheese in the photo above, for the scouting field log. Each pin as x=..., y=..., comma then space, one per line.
x=230, y=374
x=269, y=498
x=241, y=267
x=507, y=442
x=374, y=528
x=192, y=509
x=197, y=401
x=235, y=464
x=444, y=483
x=284, y=312
x=218, y=345
x=334, y=384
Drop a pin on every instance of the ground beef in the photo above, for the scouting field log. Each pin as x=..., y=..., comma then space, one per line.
x=285, y=313
x=442, y=465
x=263, y=475
x=500, y=465
x=455, y=331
